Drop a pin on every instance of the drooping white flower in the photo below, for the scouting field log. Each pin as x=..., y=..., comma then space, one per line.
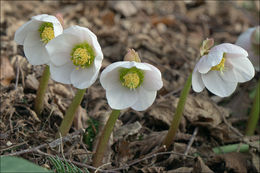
x=35, y=34
x=131, y=84
x=221, y=69
x=76, y=57
x=248, y=40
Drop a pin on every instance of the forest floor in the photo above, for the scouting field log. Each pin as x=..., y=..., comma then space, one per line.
x=168, y=35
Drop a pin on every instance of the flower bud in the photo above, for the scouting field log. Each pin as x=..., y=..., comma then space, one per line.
x=255, y=37
x=60, y=18
x=206, y=45
x=255, y=41
x=132, y=55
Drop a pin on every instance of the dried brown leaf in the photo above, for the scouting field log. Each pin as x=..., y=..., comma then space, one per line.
x=181, y=170
x=62, y=91
x=200, y=111
x=6, y=71
x=128, y=129
x=256, y=161
x=127, y=8
x=200, y=166
x=31, y=82
x=80, y=119
x=152, y=169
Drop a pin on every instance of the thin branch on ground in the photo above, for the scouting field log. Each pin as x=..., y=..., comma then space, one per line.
x=120, y=168
x=17, y=72
x=51, y=144
x=102, y=167
x=191, y=141
x=13, y=146
x=148, y=157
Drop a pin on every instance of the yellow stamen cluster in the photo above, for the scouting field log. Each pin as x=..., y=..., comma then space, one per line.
x=131, y=80
x=81, y=57
x=47, y=34
x=220, y=66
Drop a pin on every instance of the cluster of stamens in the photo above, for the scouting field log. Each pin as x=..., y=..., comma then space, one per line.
x=82, y=55
x=221, y=65
x=131, y=78
x=46, y=32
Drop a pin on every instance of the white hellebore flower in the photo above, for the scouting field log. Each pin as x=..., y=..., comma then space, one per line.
x=249, y=40
x=131, y=84
x=76, y=57
x=35, y=34
x=221, y=69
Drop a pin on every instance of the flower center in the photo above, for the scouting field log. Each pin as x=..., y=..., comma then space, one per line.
x=131, y=78
x=82, y=55
x=221, y=65
x=46, y=32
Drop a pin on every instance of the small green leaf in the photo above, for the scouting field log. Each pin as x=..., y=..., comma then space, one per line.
x=16, y=164
x=91, y=132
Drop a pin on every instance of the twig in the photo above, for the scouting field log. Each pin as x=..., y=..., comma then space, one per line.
x=51, y=145
x=16, y=145
x=148, y=157
x=102, y=166
x=191, y=141
x=17, y=72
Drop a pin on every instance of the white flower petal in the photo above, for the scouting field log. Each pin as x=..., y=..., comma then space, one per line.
x=83, y=78
x=204, y=65
x=57, y=28
x=35, y=50
x=214, y=57
x=121, y=97
x=83, y=34
x=26, y=28
x=244, y=40
x=145, y=99
x=240, y=70
x=152, y=78
x=60, y=48
x=130, y=64
x=45, y=18
x=52, y=19
x=109, y=77
x=98, y=52
x=215, y=84
x=229, y=48
x=197, y=83
x=62, y=73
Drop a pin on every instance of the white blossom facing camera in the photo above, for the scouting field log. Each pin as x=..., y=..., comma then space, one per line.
x=131, y=84
x=250, y=41
x=35, y=34
x=221, y=69
x=76, y=57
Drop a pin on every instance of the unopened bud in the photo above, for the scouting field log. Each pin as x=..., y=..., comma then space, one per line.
x=255, y=41
x=255, y=37
x=206, y=45
x=60, y=18
x=132, y=55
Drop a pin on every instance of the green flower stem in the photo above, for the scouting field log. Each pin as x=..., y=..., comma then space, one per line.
x=254, y=114
x=232, y=148
x=178, y=114
x=39, y=100
x=103, y=140
x=69, y=116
